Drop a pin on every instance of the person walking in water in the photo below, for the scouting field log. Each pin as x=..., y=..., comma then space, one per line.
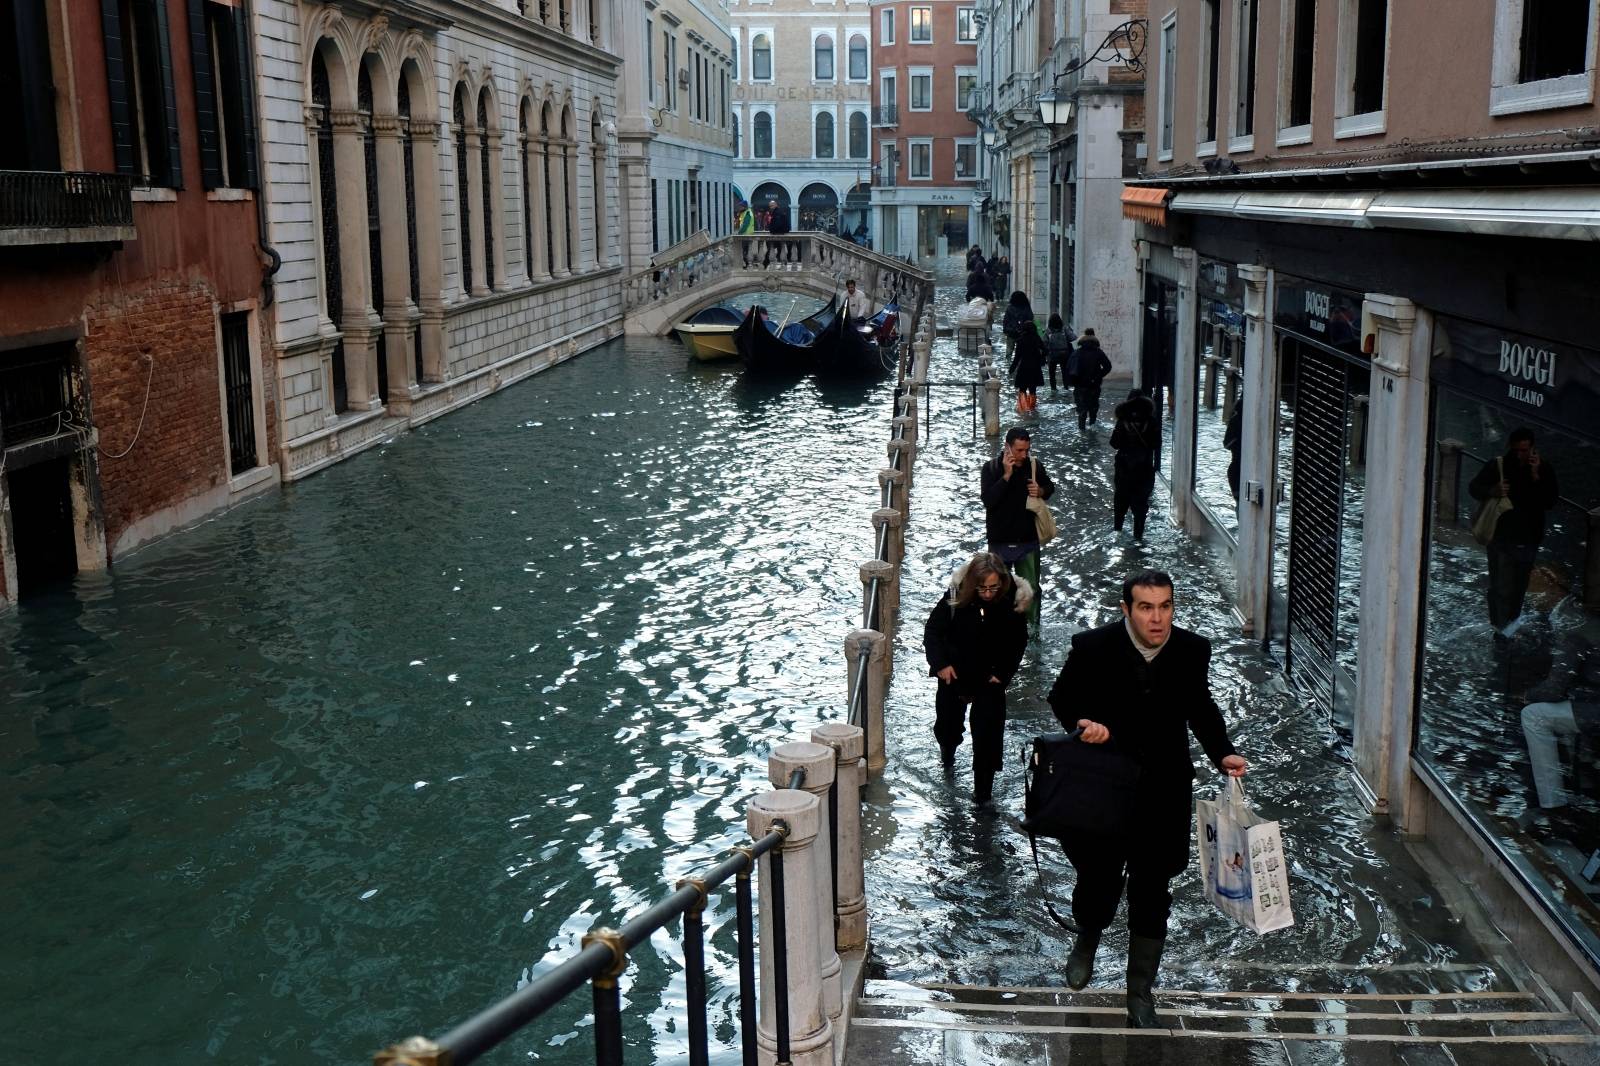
x=1142, y=684
x=1019, y=314
x=974, y=640
x=1136, y=440
x=1058, y=349
x=1005, y=484
x=1027, y=367
x=1087, y=369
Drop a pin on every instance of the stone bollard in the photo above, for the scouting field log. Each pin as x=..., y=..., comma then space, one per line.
x=906, y=424
x=888, y=577
x=874, y=645
x=991, y=406
x=818, y=763
x=895, y=521
x=1447, y=484
x=887, y=476
x=906, y=449
x=810, y=1031
x=850, y=772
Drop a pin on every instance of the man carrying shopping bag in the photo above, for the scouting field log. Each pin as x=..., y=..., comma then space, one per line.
x=1144, y=684
x=1242, y=864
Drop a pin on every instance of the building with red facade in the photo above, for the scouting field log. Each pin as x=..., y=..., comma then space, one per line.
x=131, y=280
x=925, y=146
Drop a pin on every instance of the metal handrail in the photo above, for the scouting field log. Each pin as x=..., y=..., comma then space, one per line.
x=54, y=199
x=605, y=956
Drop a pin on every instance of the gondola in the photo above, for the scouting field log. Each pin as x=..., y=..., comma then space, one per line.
x=708, y=334
x=861, y=349
x=794, y=349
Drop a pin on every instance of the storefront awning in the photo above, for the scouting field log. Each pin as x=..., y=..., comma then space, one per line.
x=1552, y=214
x=1145, y=204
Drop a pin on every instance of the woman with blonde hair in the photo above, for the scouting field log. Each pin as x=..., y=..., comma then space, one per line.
x=974, y=639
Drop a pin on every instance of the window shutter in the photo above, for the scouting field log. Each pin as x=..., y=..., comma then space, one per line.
x=205, y=101
x=246, y=65
x=117, y=74
x=169, y=99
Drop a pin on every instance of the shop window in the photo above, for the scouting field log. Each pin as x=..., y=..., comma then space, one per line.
x=761, y=138
x=823, y=135
x=1508, y=715
x=922, y=25
x=858, y=57
x=1219, y=392
x=921, y=160
x=858, y=135
x=1299, y=49
x=967, y=25
x=1244, y=85
x=1210, y=28
x=760, y=58
x=922, y=91
x=822, y=52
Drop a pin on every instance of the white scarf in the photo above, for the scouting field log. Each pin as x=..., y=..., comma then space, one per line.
x=1148, y=653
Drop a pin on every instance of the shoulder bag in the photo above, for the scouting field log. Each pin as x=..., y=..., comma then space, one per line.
x=1043, y=521
x=1489, y=512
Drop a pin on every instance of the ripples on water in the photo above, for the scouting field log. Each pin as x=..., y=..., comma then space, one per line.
x=352, y=761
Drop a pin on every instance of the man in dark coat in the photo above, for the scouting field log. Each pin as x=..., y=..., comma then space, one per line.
x=1141, y=683
x=1086, y=370
x=777, y=218
x=1530, y=482
x=974, y=639
x=1005, y=483
x=1136, y=440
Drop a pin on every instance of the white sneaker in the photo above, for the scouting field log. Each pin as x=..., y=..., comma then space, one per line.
x=1512, y=626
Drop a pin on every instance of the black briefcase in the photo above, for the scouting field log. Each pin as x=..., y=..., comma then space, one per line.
x=1072, y=787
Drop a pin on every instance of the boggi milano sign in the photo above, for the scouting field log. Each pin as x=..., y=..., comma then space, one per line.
x=1558, y=382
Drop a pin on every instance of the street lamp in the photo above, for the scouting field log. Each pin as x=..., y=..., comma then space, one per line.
x=1124, y=44
x=990, y=136
x=1054, y=109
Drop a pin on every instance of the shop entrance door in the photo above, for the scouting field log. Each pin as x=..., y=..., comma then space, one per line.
x=1316, y=521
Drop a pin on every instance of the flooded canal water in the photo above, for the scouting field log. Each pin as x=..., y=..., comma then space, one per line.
x=354, y=761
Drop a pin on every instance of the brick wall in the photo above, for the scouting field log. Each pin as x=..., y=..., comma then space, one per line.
x=180, y=452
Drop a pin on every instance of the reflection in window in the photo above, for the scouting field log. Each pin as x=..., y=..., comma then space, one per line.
x=858, y=58
x=921, y=25
x=822, y=68
x=760, y=58
x=858, y=135
x=824, y=135
x=1219, y=395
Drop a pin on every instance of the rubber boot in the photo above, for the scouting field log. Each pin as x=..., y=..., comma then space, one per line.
x=982, y=786
x=1080, y=964
x=947, y=754
x=1144, y=959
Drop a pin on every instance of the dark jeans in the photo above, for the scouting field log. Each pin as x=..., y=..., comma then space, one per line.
x=988, y=719
x=1135, y=498
x=1087, y=397
x=1510, y=567
x=1104, y=866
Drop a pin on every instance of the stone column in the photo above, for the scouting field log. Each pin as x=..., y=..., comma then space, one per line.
x=539, y=254
x=888, y=577
x=475, y=198
x=1185, y=369
x=430, y=248
x=495, y=197
x=355, y=262
x=396, y=309
x=1393, y=555
x=569, y=151
x=810, y=1031
x=886, y=477
x=870, y=645
x=1252, y=559
x=907, y=422
x=850, y=771
x=991, y=406
x=893, y=520
x=558, y=206
x=818, y=763
x=906, y=450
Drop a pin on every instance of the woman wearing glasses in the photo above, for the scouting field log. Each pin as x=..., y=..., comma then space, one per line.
x=974, y=640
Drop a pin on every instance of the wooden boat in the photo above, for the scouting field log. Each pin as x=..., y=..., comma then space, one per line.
x=770, y=347
x=708, y=334
x=861, y=349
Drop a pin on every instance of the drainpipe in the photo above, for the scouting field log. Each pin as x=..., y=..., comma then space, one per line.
x=274, y=260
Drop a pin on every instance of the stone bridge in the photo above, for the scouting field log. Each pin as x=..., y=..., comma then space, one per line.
x=816, y=264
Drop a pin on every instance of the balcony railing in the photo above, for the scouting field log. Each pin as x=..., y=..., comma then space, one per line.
x=886, y=115
x=55, y=207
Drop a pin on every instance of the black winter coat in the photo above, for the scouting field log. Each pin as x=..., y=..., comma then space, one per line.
x=980, y=640
x=1018, y=317
x=1136, y=440
x=1006, y=518
x=978, y=285
x=779, y=224
x=1530, y=499
x=1150, y=709
x=1027, y=359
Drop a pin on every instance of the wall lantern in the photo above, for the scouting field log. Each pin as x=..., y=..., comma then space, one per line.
x=1054, y=110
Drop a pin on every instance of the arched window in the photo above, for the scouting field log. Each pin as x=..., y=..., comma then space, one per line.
x=822, y=69
x=408, y=153
x=524, y=151
x=858, y=135
x=761, y=58
x=369, y=155
x=486, y=170
x=463, y=201
x=328, y=198
x=858, y=58
x=545, y=147
x=597, y=157
x=761, y=137
x=823, y=141
x=569, y=186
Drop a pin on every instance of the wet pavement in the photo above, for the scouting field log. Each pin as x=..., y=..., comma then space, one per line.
x=952, y=890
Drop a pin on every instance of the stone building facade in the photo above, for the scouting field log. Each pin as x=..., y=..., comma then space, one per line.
x=441, y=180
x=925, y=77
x=675, y=124
x=802, y=109
x=132, y=397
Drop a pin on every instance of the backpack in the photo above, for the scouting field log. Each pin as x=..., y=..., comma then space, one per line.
x=1074, y=366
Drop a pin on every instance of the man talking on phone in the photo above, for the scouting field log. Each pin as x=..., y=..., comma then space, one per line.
x=1530, y=483
x=1005, y=483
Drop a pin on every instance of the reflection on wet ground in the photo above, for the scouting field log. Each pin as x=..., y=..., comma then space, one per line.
x=953, y=894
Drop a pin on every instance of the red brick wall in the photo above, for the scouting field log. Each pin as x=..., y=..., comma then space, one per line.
x=181, y=449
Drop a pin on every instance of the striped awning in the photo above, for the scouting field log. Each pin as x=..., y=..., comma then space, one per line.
x=1145, y=204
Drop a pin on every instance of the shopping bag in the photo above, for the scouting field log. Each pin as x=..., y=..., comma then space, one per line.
x=1044, y=523
x=1242, y=862
x=1487, y=519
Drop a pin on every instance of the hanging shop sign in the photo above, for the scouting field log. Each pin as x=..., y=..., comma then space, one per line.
x=1556, y=382
x=1220, y=281
x=1319, y=313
